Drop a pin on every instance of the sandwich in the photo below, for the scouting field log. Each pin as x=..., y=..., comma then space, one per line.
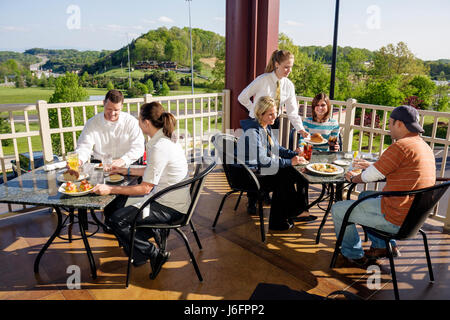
x=71, y=175
x=316, y=137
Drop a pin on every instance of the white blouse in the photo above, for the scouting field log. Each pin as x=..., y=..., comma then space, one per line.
x=266, y=85
x=166, y=165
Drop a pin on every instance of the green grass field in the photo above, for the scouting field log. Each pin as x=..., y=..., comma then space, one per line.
x=31, y=95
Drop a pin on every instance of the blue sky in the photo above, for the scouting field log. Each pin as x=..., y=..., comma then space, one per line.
x=102, y=24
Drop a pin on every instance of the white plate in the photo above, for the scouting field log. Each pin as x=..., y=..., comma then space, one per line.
x=339, y=169
x=308, y=140
x=62, y=189
x=107, y=179
x=82, y=176
x=342, y=162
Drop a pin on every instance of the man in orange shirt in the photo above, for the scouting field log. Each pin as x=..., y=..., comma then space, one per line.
x=408, y=164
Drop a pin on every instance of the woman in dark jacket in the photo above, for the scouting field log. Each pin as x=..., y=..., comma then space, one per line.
x=260, y=150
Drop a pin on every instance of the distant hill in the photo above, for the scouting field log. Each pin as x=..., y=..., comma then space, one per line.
x=163, y=44
x=22, y=58
x=326, y=53
x=61, y=61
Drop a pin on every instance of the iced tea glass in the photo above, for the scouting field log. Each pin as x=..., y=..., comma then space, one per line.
x=73, y=161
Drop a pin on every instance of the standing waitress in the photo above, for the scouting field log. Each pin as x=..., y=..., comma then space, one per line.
x=274, y=83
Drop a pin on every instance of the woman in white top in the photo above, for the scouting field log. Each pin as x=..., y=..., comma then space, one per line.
x=274, y=83
x=166, y=165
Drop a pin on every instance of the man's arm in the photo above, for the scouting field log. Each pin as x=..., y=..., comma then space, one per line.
x=85, y=144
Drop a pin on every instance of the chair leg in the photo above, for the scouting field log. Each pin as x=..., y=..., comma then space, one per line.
x=130, y=258
x=261, y=218
x=327, y=212
x=220, y=207
x=427, y=252
x=188, y=247
x=195, y=235
x=71, y=220
x=391, y=262
x=238, y=201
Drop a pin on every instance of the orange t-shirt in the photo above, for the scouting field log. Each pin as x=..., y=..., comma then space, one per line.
x=408, y=164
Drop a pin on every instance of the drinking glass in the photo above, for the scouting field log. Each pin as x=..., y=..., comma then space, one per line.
x=107, y=164
x=332, y=141
x=72, y=160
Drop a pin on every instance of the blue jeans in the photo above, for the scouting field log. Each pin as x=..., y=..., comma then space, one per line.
x=367, y=213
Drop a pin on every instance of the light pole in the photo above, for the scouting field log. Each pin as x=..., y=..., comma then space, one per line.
x=192, y=59
x=129, y=66
x=333, y=62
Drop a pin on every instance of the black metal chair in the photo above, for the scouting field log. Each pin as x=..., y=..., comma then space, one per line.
x=239, y=176
x=196, y=185
x=424, y=201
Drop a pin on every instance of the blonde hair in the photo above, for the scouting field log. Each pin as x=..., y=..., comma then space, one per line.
x=278, y=56
x=264, y=104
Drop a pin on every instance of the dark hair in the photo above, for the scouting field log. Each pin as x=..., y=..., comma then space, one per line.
x=315, y=102
x=278, y=56
x=115, y=96
x=155, y=113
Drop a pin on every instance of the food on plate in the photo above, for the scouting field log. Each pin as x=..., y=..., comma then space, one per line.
x=115, y=177
x=85, y=186
x=357, y=171
x=71, y=175
x=322, y=167
x=71, y=187
x=316, y=137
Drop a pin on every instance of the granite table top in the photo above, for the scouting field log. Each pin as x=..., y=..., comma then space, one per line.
x=39, y=187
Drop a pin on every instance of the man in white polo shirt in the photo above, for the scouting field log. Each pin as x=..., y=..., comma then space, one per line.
x=112, y=132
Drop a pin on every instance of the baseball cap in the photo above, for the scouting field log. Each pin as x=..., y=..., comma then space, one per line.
x=409, y=116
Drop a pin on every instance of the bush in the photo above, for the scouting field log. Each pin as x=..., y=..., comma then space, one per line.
x=67, y=89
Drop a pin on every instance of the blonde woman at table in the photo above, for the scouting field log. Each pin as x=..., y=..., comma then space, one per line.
x=260, y=150
x=274, y=83
x=166, y=165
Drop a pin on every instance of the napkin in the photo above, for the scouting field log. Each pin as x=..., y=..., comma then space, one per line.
x=54, y=166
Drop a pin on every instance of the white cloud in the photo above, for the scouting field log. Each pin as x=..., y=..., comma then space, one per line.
x=165, y=19
x=294, y=23
x=220, y=19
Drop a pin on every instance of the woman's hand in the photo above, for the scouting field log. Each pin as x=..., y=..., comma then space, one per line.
x=118, y=163
x=335, y=148
x=305, y=134
x=101, y=189
x=299, y=151
x=298, y=160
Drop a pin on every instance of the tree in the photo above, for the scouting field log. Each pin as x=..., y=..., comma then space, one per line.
x=164, y=91
x=393, y=60
x=149, y=84
x=423, y=88
x=67, y=89
x=110, y=85
x=383, y=92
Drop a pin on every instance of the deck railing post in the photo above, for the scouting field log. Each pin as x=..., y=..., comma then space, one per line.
x=148, y=98
x=44, y=130
x=350, y=112
x=226, y=110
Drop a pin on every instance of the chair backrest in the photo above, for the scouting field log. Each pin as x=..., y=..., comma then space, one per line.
x=195, y=184
x=238, y=175
x=422, y=205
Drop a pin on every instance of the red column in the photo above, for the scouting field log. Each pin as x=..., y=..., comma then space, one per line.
x=251, y=37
